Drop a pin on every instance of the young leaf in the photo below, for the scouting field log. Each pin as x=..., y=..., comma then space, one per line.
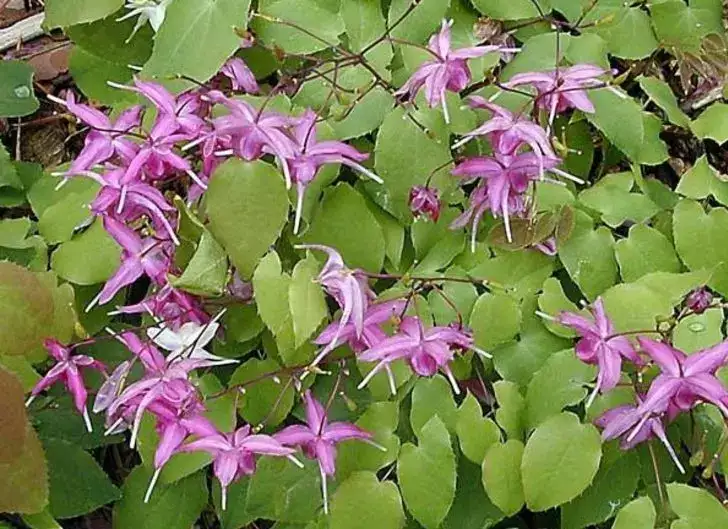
x=306, y=300
x=502, y=476
x=696, y=506
x=427, y=474
x=88, y=258
x=702, y=180
x=645, y=250
x=362, y=502
x=16, y=89
x=637, y=514
x=511, y=412
x=496, y=319
x=475, y=432
x=712, y=123
x=63, y=13
x=250, y=195
x=661, y=94
x=432, y=396
x=206, y=273
x=560, y=461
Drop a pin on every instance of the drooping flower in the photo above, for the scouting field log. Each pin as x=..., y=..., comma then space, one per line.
x=547, y=247
x=563, y=88
x=150, y=257
x=652, y=427
x=311, y=154
x=171, y=305
x=600, y=346
x=425, y=200
x=699, y=300
x=234, y=454
x=152, y=11
x=68, y=370
x=446, y=71
x=318, y=439
x=426, y=350
x=240, y=75
x=508, y=132
x=684, y=381
x=346, y=286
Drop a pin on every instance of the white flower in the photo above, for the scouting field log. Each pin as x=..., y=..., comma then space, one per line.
x=152, y=11
x=189, y=341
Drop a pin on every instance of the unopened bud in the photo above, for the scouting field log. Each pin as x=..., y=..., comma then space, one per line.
x=699, y=300
x=424, y=200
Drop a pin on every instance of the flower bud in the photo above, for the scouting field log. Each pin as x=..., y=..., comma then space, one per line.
x=425, y=200
x=699, y=300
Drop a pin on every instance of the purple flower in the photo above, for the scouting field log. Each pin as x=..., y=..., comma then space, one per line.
x=426, y=350
x=600, y=346
x=547, y=247
x=174, y=307
x=240, y=75
x=67, y=370
x=699, y=300
x=234, y=454
x=561, y=89
x=447, y=71
x=684, y=381
x=349, y=289
x=424, y=200
x=310, y=154
x=507, y=179
x=318, y=438
x=652, y=427
x=508, y=132
x=138, y=257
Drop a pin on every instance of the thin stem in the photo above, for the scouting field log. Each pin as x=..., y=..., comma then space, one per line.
x=389, y=29
x=658, y=481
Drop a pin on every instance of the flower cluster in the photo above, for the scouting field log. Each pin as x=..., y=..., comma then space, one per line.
x=134, y=168
x=504, y=177
x=683, y=380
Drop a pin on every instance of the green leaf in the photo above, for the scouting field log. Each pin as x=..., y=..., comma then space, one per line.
x=712, y=123
x=206, y=273
x=514, y=10
x=645, y=250
x=588, y=256
x=367, y=114
x=560, y=461
x=317, y=17
x=471, y=509
x=628, y=127
x=558, y=384
x=63, y=13
x=701, y=181
x=64, y=423
x=430, y=397
x=496, y=319
x=41, y=520
x=511, y=412
x=520, y=360
x=637, y=514
x=16, y=89
x=345, y=222
x=502, y=476
x=196, y=38
x=24, y=486
x=362, y=502
x=262, y=395
x=242, y=322
x=69, y=210
x=629, y=35
x=78, y=485
x=423, y=21
x=699, y=331
x=681, y=26
x=552, y=301
x=522, y=273
x=8, y=174
x=279, y=490
x=306, y=300
x=405, y=156
x=612, y=196
x=661, y=94
x=427, y=474
x=462, y=295
x=698, y=239
x=89, y=258
x=381, y=420
x=174, y=506
x=696, y=506
x=26, y=310
x=436, y=245
x=250, y=194
x=613, y=486
x=475, y=432
x=271, y=288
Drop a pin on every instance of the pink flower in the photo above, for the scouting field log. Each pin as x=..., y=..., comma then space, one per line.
x=173, y=306
x=699, y=300
x=234, y=454
x=150, y=257
x=310, y=154
x=561, y=89
x=447, y=71
x=600, y=346
x=425, y=201
x=68, y=371
x=318, y=439
x=240, y=75
x=426, y=350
